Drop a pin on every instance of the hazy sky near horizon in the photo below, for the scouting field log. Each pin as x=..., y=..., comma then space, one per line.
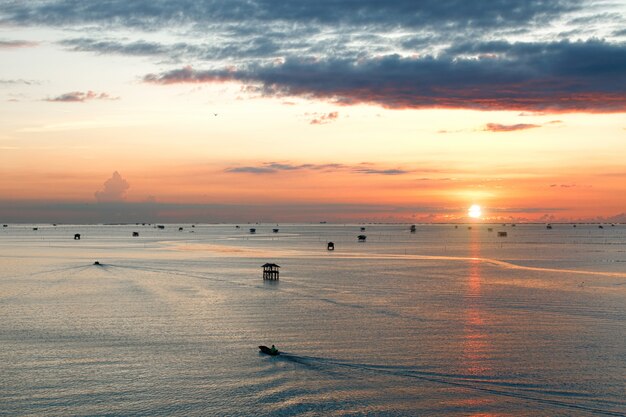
x=331, y=110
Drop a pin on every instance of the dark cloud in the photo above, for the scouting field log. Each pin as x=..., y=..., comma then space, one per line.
x=16, y=44
x=114, y=189
x=496, y=127
x=441, y=53
x=155, y=14
x=252, y=170
x=275, y=167
x=141, y=48
x=380, y=171
x=553, y=77
x=81, y=97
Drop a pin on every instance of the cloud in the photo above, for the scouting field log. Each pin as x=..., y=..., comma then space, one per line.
x=555, y=77
x=396, y=54
x=19, y=81
x=275, y=167
x=496, y=127
x=152, y=14
x=113, y=190
x=81, y=97
x=324, y=118
x=380, y=171
x=17, y=44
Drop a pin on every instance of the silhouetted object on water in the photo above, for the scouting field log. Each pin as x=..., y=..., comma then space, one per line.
x=5, y=225
x=413, y=229
x=549, y=226
x=600, y=227
x=489, y=229
x=97, y=263
x=77, y=236
x=361, y=238
x=135, y=234
x=362, y=229
x=469, y=227
x=269, y=351
x=35, y=228
x=252, y=230
x=180, y=229
x=502, y=234
x=160, y=226
x=275, y=230
x=456, y=227
x=330, y=246
x=270, y=272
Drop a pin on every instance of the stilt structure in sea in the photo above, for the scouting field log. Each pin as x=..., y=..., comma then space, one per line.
x=270, y=272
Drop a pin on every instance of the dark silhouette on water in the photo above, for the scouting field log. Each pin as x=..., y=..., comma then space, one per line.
x=269, y=351
x=330, y=246
x=270, y=272
x=77, y=236
x=361, y=238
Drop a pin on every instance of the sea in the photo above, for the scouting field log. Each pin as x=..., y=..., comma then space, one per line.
x=450, y=320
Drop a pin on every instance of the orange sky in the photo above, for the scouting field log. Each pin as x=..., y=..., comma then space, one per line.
x=401, y=133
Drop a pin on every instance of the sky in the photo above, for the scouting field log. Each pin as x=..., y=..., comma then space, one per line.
x=307, y=111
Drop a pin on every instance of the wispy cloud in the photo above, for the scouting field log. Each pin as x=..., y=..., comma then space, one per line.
x=324, y=118
x=17, y=44
x=497, y=127
x=19, y=82
x=81, y=97
x=276, y=167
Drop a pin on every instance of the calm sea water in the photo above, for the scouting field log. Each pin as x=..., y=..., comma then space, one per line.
x=444, y=321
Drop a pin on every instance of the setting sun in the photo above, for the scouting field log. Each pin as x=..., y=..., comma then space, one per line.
x=474, y=211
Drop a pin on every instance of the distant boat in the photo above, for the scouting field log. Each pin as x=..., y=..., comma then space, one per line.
x=269, y=351
x=362, y=229
x=413, y=229
x=549, y=226
x=361, y=238
x=330, y=246
x=275, y=230
x=252, y=230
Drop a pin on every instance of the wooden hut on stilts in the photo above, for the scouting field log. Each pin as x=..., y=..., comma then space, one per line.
x=270, y=272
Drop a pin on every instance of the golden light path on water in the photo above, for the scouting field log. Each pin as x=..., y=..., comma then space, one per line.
x=236, y=251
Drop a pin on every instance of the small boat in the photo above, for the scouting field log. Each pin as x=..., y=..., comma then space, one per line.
x=268, y=351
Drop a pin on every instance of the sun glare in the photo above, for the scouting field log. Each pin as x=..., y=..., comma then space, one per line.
x=474, y=211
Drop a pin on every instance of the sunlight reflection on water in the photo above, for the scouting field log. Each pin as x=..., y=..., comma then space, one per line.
x=443, y=321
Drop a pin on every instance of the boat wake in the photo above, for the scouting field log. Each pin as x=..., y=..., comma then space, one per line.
x=531, y=392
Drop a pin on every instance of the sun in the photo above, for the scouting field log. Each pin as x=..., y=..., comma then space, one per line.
x=474, y=211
